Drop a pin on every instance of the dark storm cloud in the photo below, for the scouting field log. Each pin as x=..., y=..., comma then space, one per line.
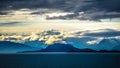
x=88, y=6
x=108, y=5
x=66, y=5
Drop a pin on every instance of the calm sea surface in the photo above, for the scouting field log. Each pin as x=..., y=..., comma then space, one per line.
x=60, y=60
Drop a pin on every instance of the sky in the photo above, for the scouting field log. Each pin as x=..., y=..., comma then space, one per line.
x=49, y=14
x=75, y=22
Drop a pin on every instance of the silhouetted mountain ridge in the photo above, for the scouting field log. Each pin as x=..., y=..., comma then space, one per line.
x=67, y=48
x=62, y=48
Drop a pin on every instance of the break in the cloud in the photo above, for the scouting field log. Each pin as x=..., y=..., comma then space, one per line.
x=93, y=9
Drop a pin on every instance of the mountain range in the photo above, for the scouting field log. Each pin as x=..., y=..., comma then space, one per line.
x=67, y=48
x=11, y=47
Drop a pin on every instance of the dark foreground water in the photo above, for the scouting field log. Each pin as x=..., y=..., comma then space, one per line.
x=60, y=60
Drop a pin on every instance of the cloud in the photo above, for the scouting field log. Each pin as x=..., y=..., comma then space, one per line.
x=93, y=9
x=3, y=13
x=69, y=16
x=96, y=16
x=52, y=39
x=10, y=24
x=102, y=33
x=81, y=38
x=49, y=37
x=65, y=5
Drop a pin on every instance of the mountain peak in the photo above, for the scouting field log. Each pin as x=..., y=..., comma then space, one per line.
x=63, y=48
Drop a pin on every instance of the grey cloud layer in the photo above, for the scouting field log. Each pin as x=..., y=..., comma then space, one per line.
x=92, y=8
x=66, y=5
